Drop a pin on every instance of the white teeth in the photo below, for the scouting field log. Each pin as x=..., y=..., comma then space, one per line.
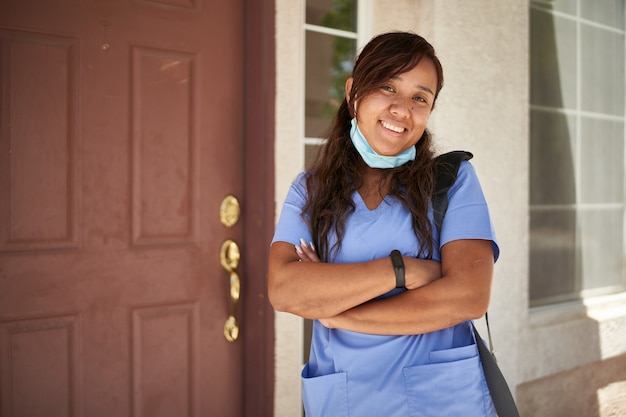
x=392, y=127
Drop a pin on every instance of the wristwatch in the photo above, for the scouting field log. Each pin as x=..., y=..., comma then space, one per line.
x=398, y=267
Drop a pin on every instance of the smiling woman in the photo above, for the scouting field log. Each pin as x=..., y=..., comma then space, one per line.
x=401, y=330
x=394, y=116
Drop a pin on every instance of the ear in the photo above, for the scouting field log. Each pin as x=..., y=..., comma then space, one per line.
x=351, y=106
x=349, y=82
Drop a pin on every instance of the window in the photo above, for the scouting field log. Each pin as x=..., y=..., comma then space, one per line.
x=577, y=152
x=331, y=43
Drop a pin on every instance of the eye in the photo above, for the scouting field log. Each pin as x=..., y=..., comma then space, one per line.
x=387, y=88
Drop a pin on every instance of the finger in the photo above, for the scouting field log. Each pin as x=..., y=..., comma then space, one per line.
x=301, y=254
x=309, y=250
x=326, y=323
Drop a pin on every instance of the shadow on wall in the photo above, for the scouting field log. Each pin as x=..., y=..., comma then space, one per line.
x=597, y=389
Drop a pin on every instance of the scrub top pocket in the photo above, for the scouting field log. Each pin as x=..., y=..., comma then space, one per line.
x=326, y=395
x=452, y=386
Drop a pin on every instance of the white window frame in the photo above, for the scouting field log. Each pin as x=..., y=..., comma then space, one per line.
x=362, y=36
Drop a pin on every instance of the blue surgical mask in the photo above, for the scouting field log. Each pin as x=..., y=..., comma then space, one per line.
x=371, y=158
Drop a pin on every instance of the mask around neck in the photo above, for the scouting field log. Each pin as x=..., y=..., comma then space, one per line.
x=371, y=158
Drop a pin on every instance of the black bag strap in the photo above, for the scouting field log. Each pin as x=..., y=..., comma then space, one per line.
x=445, y=171
x=498, y=388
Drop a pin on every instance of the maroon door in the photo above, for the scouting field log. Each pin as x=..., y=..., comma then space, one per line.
x=122, y=131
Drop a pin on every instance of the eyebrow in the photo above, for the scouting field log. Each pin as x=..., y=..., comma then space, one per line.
x=424, y=88
x=418, y=86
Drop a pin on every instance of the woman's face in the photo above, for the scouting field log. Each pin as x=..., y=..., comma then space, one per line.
x=393, y=117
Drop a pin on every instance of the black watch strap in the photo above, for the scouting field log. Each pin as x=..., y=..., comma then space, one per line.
x=398, y=267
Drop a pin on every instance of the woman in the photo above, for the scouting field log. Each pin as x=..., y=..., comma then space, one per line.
x=381, y=346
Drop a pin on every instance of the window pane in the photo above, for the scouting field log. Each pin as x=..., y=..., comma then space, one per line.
x=602, y=71
x=601, y=259
x=329, y=62
x=610, y=13
x=553, y=275
x=563, y=6
x=310, y=153
x=552, y=60
x=552, y=153
x=336, y=14
x=602, y=162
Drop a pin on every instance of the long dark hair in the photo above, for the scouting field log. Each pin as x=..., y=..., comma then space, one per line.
x=338, y=169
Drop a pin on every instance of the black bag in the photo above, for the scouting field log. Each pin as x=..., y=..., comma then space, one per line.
x=445, y=172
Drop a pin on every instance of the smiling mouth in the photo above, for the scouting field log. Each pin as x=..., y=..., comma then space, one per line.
x=391, y=127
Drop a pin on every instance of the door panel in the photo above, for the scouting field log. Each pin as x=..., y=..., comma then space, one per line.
x=122, y=131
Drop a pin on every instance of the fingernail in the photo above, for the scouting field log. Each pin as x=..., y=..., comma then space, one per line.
x=303, y=242
x=311, y=244
x=298, y=249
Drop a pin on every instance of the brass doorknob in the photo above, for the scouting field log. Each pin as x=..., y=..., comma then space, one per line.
x=229, y=258
x=229, y=211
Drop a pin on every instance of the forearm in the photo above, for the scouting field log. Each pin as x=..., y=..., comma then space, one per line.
x=433, y=307
x=317, y=289
x=461, y=294
x=314, y=290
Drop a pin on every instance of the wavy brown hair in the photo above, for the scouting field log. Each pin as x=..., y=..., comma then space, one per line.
x=338, y=169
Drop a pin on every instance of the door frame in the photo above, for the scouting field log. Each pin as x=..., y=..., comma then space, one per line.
x=258, y=206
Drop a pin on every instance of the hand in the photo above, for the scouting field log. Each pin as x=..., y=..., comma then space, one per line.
x=306, y=252
x=420, y=272
x=326, y=323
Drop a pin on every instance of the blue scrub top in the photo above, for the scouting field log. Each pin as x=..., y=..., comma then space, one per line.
x=356, y=374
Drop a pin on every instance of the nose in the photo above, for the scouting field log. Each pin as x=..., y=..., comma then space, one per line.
x=401, y=107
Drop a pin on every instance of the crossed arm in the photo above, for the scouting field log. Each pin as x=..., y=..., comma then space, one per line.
x=342, y=295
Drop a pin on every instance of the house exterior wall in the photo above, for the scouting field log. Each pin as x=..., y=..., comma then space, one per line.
x=288, y=162
x=483, y=108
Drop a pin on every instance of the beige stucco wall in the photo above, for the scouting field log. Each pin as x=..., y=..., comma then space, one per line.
x=289, y=157
x=594, y=389
x=483, y=45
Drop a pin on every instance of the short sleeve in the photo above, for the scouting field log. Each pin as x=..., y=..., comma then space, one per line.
x=467, y=216
x=291, y=225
